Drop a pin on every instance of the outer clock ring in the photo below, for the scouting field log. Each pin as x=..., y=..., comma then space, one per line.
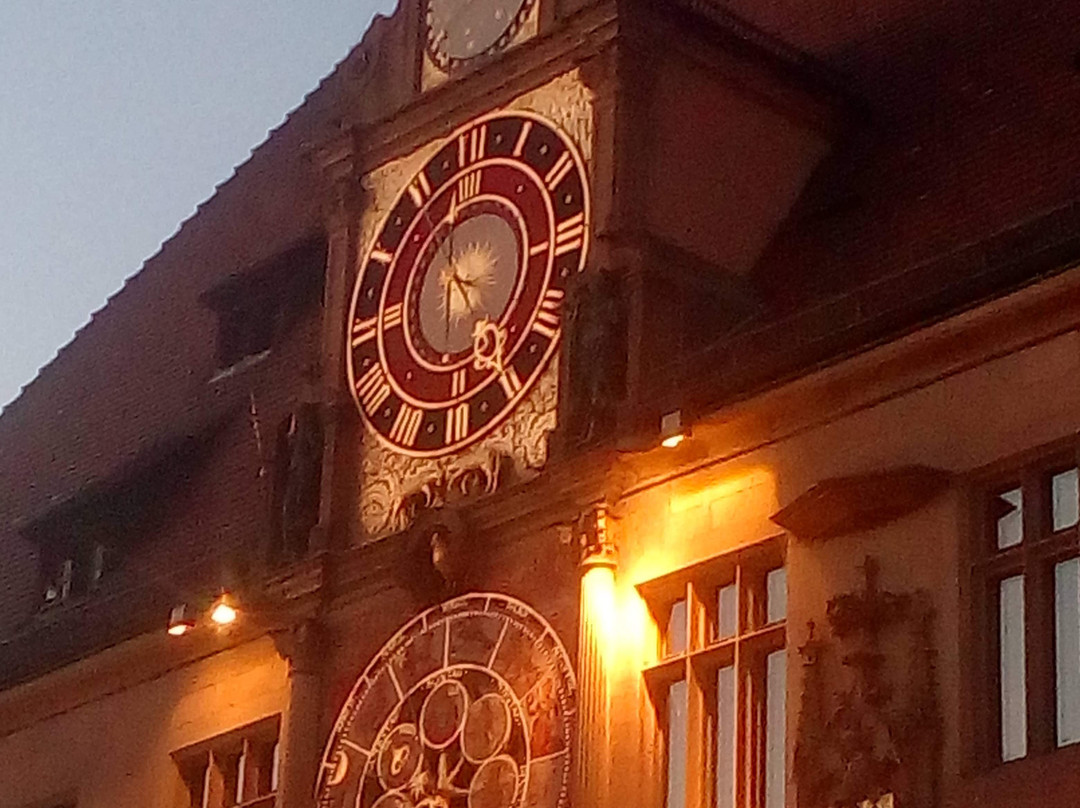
x=424, y=400
x=472, y=700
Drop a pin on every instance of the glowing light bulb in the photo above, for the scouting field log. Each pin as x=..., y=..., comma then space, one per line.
x=179, y=622
x=223, y=612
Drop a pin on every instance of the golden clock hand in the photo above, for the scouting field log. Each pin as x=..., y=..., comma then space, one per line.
x=464, y=292
x=446, y=308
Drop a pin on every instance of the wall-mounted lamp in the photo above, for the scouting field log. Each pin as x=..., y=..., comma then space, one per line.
x=672, y=429
x=180, y=623
x=224, y=611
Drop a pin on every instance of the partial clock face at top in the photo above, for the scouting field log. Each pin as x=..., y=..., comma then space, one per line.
x=458, y=30
x=458, y=306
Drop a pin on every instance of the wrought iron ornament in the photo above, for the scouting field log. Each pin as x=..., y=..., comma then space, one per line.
x=457, y=310
x=470, y=705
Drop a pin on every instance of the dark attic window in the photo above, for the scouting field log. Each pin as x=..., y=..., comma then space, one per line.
x=83, y=543
x=258, y=308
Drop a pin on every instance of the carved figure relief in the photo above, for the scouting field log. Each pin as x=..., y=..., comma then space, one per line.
x=869, y=727
x=470, y=704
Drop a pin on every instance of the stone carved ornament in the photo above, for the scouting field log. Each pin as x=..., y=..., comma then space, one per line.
x=869, y=729
x=395, y=487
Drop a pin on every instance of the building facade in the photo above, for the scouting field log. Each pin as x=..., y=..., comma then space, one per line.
x=581, y=403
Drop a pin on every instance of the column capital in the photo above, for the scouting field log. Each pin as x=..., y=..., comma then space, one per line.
x=301, y=645
x=595, y=539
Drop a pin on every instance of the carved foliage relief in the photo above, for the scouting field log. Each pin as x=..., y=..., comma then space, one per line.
x=869, y=730
x=395, y=487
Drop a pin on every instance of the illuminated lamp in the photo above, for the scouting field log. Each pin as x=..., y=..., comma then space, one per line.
x=672, y=430
x=179, y=621
x=224, y=611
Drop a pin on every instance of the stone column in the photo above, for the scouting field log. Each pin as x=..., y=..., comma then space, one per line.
x=301, y=742
x=595, y=635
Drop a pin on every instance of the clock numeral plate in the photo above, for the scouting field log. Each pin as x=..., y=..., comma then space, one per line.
x=458, y=306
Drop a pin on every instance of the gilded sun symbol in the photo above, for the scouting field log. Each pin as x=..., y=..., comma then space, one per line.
x=466, y=281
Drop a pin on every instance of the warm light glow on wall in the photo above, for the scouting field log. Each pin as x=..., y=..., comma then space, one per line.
x=724, y=490
x=695, y=517
x=601, y=603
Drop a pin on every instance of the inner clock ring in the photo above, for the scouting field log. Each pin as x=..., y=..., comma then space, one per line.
x=472, y=272
x=431, y=349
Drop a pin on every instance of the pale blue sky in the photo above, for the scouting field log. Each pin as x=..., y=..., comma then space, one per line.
x=117, y=117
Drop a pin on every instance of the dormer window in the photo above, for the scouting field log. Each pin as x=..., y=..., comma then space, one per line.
x=84, y=542
x=74, y=571
x=257, y=308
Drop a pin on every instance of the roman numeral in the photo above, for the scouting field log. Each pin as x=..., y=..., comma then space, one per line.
x=382, y=256
x=478, y=143
x=468, y=186
x=548, y=317
x=537, y=249
x=420, y=189
x=373, y=389
x=519, y=147
x=472, y=146
x=406, y=425
x=510, y=381
x=570, y=235
x=457, y=382
x=558, y=171
x=392, y=316
x=363, y=330
x=457, y=422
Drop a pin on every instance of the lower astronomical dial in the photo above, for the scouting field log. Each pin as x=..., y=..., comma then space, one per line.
x=470, y=705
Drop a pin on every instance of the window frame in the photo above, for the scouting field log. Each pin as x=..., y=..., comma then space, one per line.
x=217, y=759
x=257, y=308
x=1034, y=557
x=705, y=654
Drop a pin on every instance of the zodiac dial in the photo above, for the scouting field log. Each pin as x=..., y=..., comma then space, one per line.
x=458, y=306
x=470, y=705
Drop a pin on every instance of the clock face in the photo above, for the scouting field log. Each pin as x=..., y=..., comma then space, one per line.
x=458, y=306
x=470, y=705
x=458, y=30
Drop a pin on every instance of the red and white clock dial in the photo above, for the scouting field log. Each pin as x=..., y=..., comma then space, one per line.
x=457, y=309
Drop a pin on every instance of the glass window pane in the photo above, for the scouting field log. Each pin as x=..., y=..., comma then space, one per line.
x=1066, y=502
x=1013, y=677
x=1067, y=649
x=1010, y=525
x=675, y=637
x=676, y=745
x=776, y=595
x=725, y=737
x=727, y=621
x=241, y=773
x=775, y=693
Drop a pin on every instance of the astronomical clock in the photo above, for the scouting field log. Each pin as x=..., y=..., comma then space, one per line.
x=457, y=312
x=470, y=705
